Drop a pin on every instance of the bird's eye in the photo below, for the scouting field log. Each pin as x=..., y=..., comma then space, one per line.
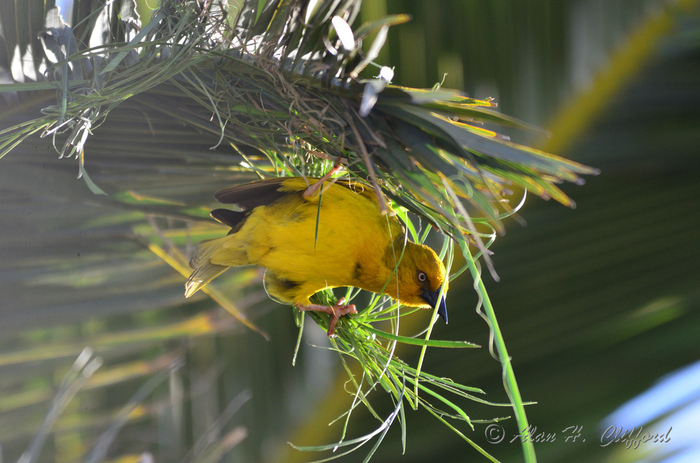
x=422, y=276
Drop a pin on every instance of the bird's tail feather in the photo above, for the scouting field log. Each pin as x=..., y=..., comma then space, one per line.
x=204, y=270
x=201, y=276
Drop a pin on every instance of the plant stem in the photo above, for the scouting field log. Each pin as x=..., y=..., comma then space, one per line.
x=509, y=382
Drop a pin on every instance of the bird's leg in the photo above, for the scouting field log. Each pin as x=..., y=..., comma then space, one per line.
x=313, y=188
x=336, y=311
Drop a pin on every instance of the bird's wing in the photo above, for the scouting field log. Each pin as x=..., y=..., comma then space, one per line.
x=264, y=192
x=251, y=195
x=233, y=219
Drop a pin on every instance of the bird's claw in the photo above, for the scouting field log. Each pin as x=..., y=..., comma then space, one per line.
x=314, y=187
x=335, y=311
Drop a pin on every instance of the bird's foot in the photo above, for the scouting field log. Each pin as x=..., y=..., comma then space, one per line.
x=335, y=311
x=313, y=188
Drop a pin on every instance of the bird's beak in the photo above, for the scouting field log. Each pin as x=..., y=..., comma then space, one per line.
x=431, y=297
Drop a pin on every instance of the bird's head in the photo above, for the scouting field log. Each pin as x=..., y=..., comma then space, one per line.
x=420, y=275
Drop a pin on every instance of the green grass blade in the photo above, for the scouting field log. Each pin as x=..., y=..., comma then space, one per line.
x=510, y=382
x=421, y=342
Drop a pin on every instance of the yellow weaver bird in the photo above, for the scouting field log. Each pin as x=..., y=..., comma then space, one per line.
x=306, y=248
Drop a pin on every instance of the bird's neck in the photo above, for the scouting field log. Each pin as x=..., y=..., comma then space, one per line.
x=377, y=271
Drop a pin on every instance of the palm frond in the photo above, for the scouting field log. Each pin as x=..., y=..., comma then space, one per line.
x=282, y=80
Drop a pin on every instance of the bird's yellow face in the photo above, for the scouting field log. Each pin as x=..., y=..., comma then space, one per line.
x=420, y=275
